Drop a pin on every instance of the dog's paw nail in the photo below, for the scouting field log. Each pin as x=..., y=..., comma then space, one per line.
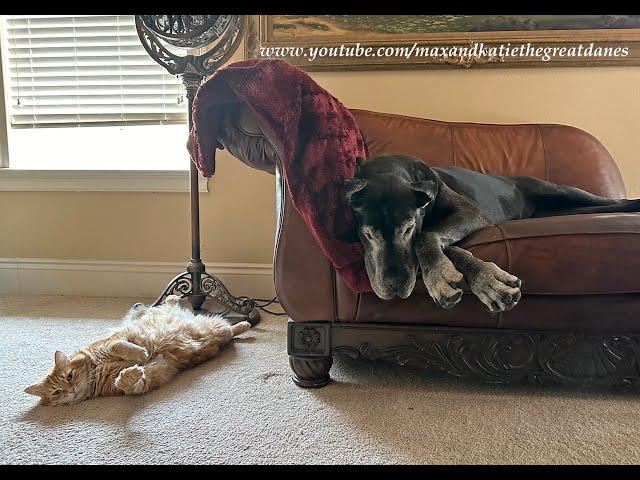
x=450, y=301
x=517, y=283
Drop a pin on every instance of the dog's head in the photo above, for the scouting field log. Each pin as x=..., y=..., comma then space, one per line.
x=390, y=204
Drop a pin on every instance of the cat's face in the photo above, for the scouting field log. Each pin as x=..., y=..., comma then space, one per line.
x=67, y=383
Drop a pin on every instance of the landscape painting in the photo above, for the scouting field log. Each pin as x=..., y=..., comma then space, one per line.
x=380, y=25
x=539, y=30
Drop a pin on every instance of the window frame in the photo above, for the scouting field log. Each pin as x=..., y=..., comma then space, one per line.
x=12, y=179
x=4, y=124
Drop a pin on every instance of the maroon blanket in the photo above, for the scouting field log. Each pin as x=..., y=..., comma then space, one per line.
x=320, y=140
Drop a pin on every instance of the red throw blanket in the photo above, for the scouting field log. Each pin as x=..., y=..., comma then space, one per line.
x=320, y=140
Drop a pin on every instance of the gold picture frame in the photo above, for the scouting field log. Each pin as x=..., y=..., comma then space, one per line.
x=261, y=35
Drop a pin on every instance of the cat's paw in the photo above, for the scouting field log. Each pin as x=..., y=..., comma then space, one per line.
x=140, y=355
x=131, y=379
x=172, y=300
x=240, y=327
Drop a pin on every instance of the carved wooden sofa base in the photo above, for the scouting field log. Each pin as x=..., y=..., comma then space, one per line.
x=489, y=355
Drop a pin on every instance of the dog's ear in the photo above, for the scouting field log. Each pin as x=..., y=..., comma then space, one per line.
x=424, y=191
x=353, y=186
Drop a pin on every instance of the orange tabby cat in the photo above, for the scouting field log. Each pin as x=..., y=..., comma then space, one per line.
x=152, y=345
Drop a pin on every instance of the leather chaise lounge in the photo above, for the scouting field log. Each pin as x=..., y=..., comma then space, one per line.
x=578, y=321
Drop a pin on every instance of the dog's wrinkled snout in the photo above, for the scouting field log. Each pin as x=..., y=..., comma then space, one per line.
x=393, y=287
x=396, y=286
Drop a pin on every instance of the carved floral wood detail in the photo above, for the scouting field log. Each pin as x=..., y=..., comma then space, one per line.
x=509, y=358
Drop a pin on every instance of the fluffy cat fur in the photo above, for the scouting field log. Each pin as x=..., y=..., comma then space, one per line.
x=151, y=346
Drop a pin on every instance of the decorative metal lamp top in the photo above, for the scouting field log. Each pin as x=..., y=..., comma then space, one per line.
x=159, y=33
x=188, y=31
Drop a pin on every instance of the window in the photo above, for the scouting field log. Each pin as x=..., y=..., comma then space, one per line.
x=81, y=93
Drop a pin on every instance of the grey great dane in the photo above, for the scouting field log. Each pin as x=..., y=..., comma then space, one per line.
x=410, y=214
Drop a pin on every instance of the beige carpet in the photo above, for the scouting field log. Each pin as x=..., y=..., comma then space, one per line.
x=243, y=408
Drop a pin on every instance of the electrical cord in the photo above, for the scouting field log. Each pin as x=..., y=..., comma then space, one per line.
x=266, y=303
x=259, y=303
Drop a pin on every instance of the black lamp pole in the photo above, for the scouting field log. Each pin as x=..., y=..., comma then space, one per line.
x=220, y=35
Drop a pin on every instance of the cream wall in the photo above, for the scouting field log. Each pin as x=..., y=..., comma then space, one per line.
x=237, y=215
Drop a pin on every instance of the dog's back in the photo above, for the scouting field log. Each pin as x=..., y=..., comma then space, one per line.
x=497, y=196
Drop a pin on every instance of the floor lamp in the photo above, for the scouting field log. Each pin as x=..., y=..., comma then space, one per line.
x=215, y=38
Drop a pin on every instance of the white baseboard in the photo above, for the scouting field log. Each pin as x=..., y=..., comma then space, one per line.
x=44, y=276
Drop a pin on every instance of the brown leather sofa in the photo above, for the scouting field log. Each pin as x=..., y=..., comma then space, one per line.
x=578, y=321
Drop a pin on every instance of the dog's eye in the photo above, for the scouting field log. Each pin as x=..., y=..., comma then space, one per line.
x=56, y=392
x=69, y=376
x=408, y=230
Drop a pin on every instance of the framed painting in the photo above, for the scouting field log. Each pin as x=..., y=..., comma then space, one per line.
x=373, y=42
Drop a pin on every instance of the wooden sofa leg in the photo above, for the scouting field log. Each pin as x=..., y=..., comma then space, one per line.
x=310, y=372
x=309, y=349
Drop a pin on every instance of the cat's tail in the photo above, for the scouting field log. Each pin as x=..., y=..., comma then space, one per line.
x=240, y=327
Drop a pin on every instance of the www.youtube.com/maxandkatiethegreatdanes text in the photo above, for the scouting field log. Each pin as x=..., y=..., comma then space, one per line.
x=478, y=50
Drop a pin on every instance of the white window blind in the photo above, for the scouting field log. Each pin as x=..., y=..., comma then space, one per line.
x=84, y=70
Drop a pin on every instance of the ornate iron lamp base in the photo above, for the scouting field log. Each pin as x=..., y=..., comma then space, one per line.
x=188, y=32
x=197, y=285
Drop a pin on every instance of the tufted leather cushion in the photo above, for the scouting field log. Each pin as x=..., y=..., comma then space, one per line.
x=567, y=255
x=575, y=268
x=557, y=153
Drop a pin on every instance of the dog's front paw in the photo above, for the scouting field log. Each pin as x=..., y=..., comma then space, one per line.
x=497, y=289
x=131, y=379
x=442, y=284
